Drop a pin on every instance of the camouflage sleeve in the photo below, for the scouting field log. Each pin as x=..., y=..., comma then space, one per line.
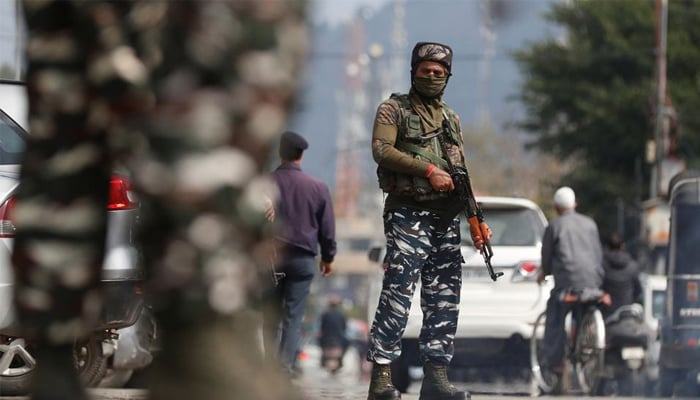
x=460, y=134
x=388, y=113
x=458, y=125
x=384, y=136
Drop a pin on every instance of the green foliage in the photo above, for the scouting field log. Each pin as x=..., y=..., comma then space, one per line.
x=7, y=72
x=589, y=95
x=498, y=166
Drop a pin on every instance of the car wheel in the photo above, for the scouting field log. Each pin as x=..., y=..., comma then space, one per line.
x=17, y=365
x=90, y=362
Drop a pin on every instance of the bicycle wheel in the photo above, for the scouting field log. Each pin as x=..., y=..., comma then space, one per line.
x=589, y=351
x=545, y=379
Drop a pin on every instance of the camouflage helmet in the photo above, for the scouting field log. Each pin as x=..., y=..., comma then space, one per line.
x=431, y=51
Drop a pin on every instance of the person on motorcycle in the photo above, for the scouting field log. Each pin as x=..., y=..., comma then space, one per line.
x=621, y=279
x=333, y=339
x=624, y=321
x=572, y=253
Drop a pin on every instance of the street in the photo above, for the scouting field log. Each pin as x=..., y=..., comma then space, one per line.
x=347, y=384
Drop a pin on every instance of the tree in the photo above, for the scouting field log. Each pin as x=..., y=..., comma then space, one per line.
x=7, y=72
x=499, y=167
x=589, y=95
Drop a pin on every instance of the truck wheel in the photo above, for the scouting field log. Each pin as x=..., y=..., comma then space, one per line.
x=667, y=381
x=691, y=387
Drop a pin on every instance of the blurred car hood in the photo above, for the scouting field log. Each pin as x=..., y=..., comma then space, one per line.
x=503, y=256
x=9, y=178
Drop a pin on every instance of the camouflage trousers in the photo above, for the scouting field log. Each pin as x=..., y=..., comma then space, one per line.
x=415, y=250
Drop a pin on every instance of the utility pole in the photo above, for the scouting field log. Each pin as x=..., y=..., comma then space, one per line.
x=352, y=101
x=659, y=150
x=398, y=63
x=489, y=36
x=19, y=39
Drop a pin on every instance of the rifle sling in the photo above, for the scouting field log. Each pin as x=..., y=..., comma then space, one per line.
x=422, y=152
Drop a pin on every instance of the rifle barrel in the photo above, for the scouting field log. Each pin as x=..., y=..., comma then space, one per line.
x=488, y=253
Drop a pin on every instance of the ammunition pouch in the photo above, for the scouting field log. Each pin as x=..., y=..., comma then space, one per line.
x=407, y=185
x=422, y=146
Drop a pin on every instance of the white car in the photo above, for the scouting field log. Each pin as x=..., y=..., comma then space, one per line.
x=495, y=318
x=122, y=275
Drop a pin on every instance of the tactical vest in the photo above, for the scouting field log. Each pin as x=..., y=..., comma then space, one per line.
x=421, y=145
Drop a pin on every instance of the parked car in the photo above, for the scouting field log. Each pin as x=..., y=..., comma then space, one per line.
x=135, y=348
x=495, y=318
x=679, y=357
x=121, y=274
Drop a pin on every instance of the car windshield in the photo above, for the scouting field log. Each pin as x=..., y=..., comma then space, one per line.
x=12, y=141
x=511, y=226
x=658, y=303
x=686, y=237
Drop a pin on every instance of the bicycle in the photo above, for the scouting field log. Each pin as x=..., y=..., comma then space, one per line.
x=584, y=348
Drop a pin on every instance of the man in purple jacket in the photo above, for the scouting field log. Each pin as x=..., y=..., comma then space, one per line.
x=305, y=213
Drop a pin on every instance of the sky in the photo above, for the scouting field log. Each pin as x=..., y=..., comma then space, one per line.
x=334, y=12
x=7, y=32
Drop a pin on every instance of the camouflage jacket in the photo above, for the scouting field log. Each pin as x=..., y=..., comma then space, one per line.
x=423, y=146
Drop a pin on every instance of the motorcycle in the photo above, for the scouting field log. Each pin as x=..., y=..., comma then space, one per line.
x=332, y=358
x=333, y=350
x=627, y=339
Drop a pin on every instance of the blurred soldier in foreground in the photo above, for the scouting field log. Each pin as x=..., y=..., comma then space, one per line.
x=193, y=95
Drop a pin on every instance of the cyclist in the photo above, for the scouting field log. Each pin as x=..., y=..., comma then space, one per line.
x=572, y=253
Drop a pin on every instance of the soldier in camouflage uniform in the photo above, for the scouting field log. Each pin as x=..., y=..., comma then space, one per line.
x=193, y=95
x=413, y=136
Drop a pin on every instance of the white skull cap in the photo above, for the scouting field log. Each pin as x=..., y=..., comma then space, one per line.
x=565, y=197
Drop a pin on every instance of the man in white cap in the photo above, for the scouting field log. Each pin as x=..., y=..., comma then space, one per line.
x=572, y=253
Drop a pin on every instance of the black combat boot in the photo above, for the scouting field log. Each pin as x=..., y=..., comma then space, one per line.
x=436, y=386
x=380, y=387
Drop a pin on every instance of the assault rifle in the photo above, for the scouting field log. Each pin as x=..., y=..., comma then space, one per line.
x=463, y=200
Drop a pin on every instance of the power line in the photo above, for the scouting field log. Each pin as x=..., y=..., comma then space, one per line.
x=322, y=55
